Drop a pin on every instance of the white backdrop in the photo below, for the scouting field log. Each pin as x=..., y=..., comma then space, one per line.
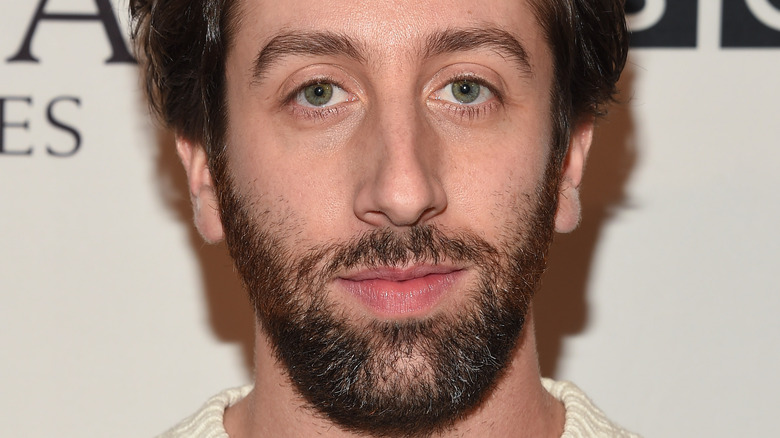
x=115, y=320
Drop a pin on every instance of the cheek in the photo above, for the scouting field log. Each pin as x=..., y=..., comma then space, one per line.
x=498, y=179
x=292, y=185
x=487, y=204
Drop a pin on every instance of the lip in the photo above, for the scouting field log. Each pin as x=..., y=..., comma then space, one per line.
x=401, y=291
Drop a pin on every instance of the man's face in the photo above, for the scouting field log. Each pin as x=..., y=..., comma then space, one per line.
x=393, y=146
x=389, y=197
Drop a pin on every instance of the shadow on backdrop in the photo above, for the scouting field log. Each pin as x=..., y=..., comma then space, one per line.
x=560, y=306
x=230, y=313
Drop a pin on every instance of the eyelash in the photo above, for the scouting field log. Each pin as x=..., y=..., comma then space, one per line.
x=312, y=113
x=472, y=112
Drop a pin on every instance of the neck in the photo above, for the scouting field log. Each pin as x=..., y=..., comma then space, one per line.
x=518, y=407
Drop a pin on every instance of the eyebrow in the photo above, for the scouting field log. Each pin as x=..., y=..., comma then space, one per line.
x=498, y=40
x=305, y=44
x=438, y=43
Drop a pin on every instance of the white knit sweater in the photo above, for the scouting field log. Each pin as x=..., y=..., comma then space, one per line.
x=583, y=419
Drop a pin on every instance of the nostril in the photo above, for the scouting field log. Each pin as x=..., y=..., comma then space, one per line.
x=400, y=201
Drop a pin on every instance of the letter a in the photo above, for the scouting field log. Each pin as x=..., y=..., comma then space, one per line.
x=105, y=14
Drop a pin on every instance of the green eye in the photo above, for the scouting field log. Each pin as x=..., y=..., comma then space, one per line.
x=465, y=91
x=318, y=94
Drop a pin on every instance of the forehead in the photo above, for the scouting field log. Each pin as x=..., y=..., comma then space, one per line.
x=386, y=29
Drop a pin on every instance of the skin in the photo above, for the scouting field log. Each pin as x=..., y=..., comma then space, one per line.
x=391, y=152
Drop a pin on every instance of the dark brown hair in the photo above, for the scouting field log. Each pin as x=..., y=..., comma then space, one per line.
x=588, y=40
x=182, y=46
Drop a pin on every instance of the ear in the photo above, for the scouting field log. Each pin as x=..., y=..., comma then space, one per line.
x=567, y=216
x=202, y=193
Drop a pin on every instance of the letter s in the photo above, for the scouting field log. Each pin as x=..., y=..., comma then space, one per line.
x=57, y=123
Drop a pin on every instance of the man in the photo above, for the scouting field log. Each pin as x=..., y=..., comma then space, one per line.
x=387, y=176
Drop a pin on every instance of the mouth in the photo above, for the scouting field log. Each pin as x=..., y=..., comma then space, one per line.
x=401, y=292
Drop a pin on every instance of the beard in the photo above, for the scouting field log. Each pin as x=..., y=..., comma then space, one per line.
x=405, y=378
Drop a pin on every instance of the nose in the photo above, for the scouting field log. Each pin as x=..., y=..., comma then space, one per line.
x=401, y=186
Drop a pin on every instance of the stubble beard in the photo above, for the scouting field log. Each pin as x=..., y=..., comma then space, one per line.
x=383, y=378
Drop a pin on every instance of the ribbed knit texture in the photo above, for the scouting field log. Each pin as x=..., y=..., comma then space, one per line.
x=583, y=419
x=208, y=422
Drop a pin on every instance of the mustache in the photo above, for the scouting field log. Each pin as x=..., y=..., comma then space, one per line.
x=389, y=248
